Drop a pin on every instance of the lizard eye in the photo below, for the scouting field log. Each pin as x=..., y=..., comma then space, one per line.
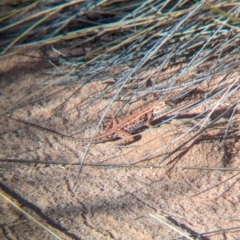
x=158, y=109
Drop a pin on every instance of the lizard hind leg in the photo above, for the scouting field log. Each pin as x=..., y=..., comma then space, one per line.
x=127, y=137
x=111, y=124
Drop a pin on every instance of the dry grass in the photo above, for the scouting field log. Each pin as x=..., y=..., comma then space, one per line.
x=68, y=67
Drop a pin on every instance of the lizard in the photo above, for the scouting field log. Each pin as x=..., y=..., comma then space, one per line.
x=125, y=128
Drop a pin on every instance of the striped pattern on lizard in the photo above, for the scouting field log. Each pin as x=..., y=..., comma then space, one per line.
x=123, y=129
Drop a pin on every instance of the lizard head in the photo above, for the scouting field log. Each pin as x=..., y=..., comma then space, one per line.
x=159, y=109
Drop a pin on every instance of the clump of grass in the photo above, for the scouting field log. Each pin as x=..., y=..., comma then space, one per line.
x=186, y=52
x=131, y=46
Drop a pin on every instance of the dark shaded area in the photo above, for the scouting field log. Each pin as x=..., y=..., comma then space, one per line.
x=38, y=211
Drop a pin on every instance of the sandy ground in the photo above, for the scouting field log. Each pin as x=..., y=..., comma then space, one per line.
x=111, y=199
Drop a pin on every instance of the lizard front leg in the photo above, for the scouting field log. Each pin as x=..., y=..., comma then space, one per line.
x=149, y=120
